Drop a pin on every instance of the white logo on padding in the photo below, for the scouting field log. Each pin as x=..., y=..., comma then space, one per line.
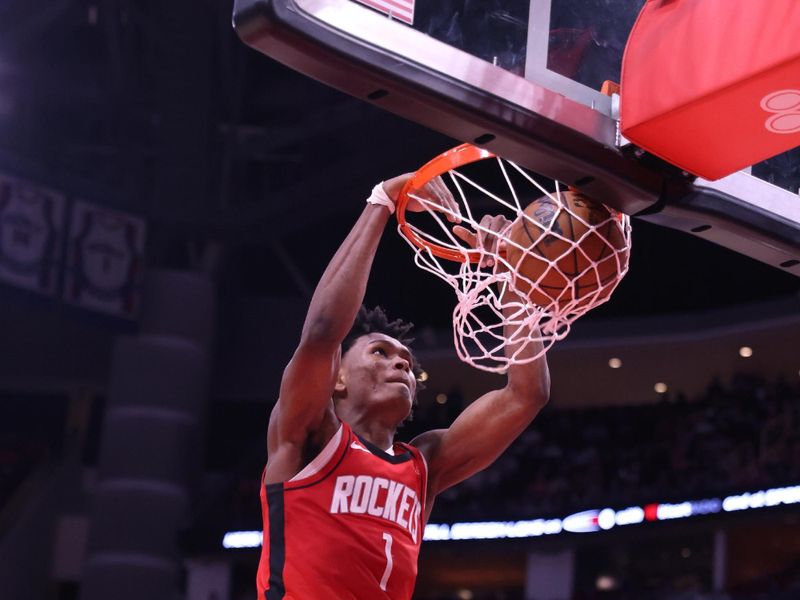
x=785, y=106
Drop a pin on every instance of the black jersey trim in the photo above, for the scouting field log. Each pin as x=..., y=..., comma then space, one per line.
x=324, y=475
x=423, y=473
x=382, y=454
x=277, y=545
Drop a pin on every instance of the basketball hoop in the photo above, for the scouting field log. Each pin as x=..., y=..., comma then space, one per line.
x=559, y=256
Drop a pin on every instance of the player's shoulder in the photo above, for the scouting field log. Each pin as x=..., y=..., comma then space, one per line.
x=290, y=455
x=428, y=443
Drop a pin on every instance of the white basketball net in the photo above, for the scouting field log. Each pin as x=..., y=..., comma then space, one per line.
x=496, y=323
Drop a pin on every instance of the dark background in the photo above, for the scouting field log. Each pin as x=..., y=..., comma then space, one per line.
x=160, y=110
x=254, y=174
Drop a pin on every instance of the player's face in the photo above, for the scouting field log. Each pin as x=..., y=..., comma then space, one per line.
x=378, y=368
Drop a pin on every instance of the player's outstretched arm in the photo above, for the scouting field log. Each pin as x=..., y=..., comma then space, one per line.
x=304, y=404
x=484, y=430
x=304, y=408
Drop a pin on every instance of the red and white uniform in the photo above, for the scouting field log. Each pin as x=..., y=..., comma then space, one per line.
x=347, y=527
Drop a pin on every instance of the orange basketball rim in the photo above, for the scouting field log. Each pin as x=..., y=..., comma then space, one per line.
x=445, y=162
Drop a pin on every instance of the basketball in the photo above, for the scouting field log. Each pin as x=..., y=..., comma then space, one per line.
x=583, y=233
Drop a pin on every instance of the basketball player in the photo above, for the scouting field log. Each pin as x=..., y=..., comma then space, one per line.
x=344, y=506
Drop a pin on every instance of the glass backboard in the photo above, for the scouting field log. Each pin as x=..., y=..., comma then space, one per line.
x=523, y=79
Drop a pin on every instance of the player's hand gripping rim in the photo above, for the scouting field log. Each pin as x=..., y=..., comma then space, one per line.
x=490, y=238
x=438, y=197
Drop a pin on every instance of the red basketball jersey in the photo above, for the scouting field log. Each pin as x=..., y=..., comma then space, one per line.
x=347, y=527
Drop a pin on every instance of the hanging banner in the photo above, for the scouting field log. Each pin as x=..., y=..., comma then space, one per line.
x=31, y=234
x=104, y=260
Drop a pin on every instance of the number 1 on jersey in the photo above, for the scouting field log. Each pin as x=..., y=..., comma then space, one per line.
x=388, y=571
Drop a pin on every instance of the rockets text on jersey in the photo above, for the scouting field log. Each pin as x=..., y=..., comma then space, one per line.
x=360, y=495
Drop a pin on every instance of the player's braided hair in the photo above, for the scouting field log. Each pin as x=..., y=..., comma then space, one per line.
x=375, y=321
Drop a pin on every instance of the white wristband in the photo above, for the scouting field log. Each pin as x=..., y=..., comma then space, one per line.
x=379, y=196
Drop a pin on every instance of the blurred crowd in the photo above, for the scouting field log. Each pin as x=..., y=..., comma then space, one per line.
x=738, y=437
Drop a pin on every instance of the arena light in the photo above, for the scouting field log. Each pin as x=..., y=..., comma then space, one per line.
x=667, y=512
x=745, y=352
x=614, y=363
x=606, y=583
x=762, y=499
x=606, y=518
x=496, y=530
x=587, y=521
x=242, y=539
x=629, y=516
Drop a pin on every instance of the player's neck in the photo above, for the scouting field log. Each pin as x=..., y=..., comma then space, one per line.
x=376, y=423
x=376, y=433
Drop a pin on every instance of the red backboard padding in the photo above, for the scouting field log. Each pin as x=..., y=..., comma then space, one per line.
x=713, y=86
